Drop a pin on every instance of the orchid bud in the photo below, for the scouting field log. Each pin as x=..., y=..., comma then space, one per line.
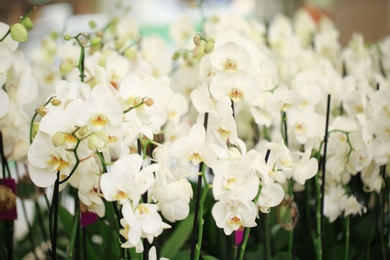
x=42, y=111
x=198, y=52
x=97, y=141
x=176, y=55
x=58, y=139
x=67, y=37
x=96, y=41
x=55, y=102
x=53, y=35
x=149, y=102
x=35, y=129
x=197, y=39
x=92, y=24
x=82, y=131
x=209, y=47
x=66, y=67
x=19, y=32
x=27, y=23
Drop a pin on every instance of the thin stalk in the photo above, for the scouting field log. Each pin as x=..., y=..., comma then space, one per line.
x=197, y=201
x=145, y=242
x=4, y=162
x=201, y=220
x=55, y=216
x=382, y=213
x=324, y=167
x=80, y=65
x=291, y=244
x=347, y=235
x=319, y=218
x=119, y=216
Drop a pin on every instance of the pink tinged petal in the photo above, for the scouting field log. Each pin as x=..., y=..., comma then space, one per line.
x=238, y=236
x=42, y=177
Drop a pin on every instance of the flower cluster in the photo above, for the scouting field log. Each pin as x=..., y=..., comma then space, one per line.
x=124, y=122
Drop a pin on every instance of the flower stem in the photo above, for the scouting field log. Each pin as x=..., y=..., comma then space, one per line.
x=347, y=235
x=201, y=220
x=197, y=201
x=55, y=216
x=291, y=246
x=324, y=168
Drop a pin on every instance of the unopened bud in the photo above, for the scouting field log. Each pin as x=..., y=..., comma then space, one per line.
x=42, y=111
x=176, y=55
x=92, y=24
x=66, y=67
x=82, y=131
x=97, y=141
x=19, y=32
x=209, y=47
x=96, y=41
x=149, y=102
x=53, y=35
x=67, y=37
x=130, y=54
x=27, y=23
x=55, y=102
x=35, y=129
x=197, y=39
x=185, y=55
x=58, y=139
x=198, y=52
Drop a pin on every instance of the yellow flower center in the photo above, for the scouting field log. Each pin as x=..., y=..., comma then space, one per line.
x=57, y=163
x=195, y=158
x=230, y=66
x=236, y=95
x=120, y=194
x=99, y=120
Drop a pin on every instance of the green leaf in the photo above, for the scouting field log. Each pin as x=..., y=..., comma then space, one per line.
x=66, y=220
x=178, y=237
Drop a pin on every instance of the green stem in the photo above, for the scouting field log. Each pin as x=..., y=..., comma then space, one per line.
x=33, y=119
x=55, y=216
x=347, y=235
x=291, y=233
x=318, y=217
x=80, y=65
x=200, y=215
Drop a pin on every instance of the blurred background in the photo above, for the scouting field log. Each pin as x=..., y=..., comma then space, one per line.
x=371, y=18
